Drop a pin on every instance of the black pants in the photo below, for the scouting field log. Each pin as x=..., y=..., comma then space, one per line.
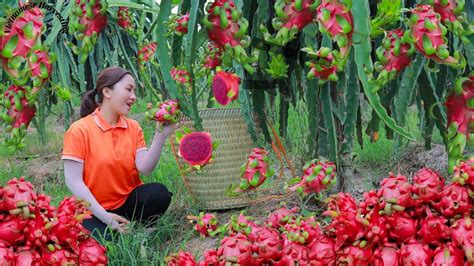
x=144, y=204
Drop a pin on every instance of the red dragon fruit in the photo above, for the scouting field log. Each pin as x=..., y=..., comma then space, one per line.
x=451, y=15
x=429, y=35
x=280, y=217
x=124, y=18
x=196, y=148
x=370, y=202
x=40, y=63
x=27, y=257
x=239, y=224
x=178, y=24
x=225, y=87
x=460, y=112
x=166, y=112
x=302, y=230
x=395, y=193
x=416, y=253
x=59, y=257
x=375, y=226
x=354, y=255
x=209, y=258
x=322, y=251
x=226, y=27
x=464, y=172
x=427, y=185
x=402, y=227
x=448, y=254
x=145, y=53
x=206, y=224
x=18, y=194
x=294, y=253
x=11, y=229
x=235, y=250
x=388, y=255
x=335, y=18
x=433, y=229
x=181, y=259
x=455, y=200
x=317, y=176
x=20, y=112
x=462, y=235
x=88, y=18
x=92, y=253
x=291, y=17
x=212, y=56
x=267, y=245
x=393, y=56
x=6, y=253
x=324, y=66
x=255, y=171
x=182, y=77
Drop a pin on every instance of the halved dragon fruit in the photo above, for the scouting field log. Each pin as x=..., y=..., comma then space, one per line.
x=317, y=176
x=255, y=171
x=166, y=112
x=196, y=148
x=225, y=87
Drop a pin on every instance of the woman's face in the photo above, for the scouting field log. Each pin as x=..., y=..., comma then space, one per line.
x=122, y=97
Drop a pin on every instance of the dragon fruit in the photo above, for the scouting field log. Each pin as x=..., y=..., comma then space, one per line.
x=294, y=253
x=181, y=259
x=452, y=16
x=178, y=24
x=455, y=200
x=235, y=250
x=375, y=227
x=393, y=56
x=145, y=53
x=322, y=250
x=241, y=223
x=460, y=112
x=27, y=257
x=317, y=176
x=448, y=254
x=196, y=148
x=225, y=87
x=226, y=28
x=427, y=185
x=255, y=171
x=212, y=56
x=402, y=227
x=464, y=172
x=462, y=235
x=291, y=17
x=433, y=229
x=59, y=257
x=209, y=258
x=335, y=18
x=354, y=255
x=415, y=253
x=395, y=194
x=18, y=195
x=11, y=229
x=429, y=35
x=166, y=112
x=280, y=217
x=266, y=245
x=324, y=66
x=369, y=203
x=92, y=252
x=206, y=224
x=302, y=230
x=387, y=255
x=182, y=77
x=124, y=18
x=6, y=253
x=40, y=63
x=88, y=18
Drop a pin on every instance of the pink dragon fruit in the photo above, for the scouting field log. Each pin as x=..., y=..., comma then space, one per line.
x=59, y=257
x=416, y=253
x=226, y=28
x=225, y=87
x=124, y=19
x=427, y=185
x=402, y=227
x=452, y=16
x=388, y=255
x=455, y=200
x=324, y=66
x=206, y=224
x=448, y=254
x=235, y=250
x=302, y=230
x=370, y=202
x=294, y=253
x=395, y=194
x=433, y=229
x=20, y=112
x=460, y=112
x=464, y=172
x=11, y=229
x=145, y=53
x=40, y=63
x=209, y=258
x=267, y=245
x=428, y=35
x=181, y=259
x=18, y=195
x=178, y=24
x=255, y=171
x=291, y=17
x=375, y=227
x=27, y=257
x=241, y=223
x=166, y=112
x=6, y=253
x=335, y=18
x=212, y=56
x=196, y=148
x=87, y=20
x=182, y=77
x=280, y=217
x=317, y=176
x=354, y=255
x=393, y=56
x=322, y=251
x=462, y=235
x=92, y=253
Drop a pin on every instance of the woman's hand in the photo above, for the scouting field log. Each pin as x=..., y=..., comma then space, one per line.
x=166, y=129
x=119, y=223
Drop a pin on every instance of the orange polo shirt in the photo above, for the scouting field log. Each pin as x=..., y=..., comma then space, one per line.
x=108, y=154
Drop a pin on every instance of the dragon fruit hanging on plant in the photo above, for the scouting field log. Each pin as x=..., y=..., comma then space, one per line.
x=324, y=64
x=145, y=53
x=291, y=17
x=452, y=16
x=178, y=24
x=226, y=28
x=88, y=18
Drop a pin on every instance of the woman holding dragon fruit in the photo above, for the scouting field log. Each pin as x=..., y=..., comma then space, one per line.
x=105, y=151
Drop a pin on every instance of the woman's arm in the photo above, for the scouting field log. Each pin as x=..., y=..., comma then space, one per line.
x=146, y=160
x=73, y=173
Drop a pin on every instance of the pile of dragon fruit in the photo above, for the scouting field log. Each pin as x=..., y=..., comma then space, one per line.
x=422, y=221
x=33, y=232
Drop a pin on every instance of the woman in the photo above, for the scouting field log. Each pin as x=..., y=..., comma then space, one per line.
x=105, y=151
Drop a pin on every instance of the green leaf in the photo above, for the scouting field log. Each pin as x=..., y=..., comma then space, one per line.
x=118, y=3
x=329, y=122
x=352, y=104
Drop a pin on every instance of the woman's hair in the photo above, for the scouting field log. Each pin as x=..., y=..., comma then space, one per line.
x=108, y=77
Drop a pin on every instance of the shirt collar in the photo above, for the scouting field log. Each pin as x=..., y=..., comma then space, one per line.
x=102, y=123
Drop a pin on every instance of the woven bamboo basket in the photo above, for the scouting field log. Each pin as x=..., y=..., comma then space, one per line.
x=208, y=187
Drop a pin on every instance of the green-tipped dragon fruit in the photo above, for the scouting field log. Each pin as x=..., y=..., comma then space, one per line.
x=40, y=63
x=335, y=19
x=145, y=54
x=178, y=24
x=165, y=112
x=460, y=111
x=317, y=176
x=394, y=55
x=196, y=148
x=124, y=19
x=182, y=77
x=206, y=224
x=452, y=16
x=429, y=36
x=291, y=17
x=324, y=65
x=226, y=28
x=87, y=19
x=464, y=172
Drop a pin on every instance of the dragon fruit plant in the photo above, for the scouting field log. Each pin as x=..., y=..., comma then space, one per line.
x=324, y=65
x=33, y=232
x=225, y=87
x=460, y=112
x=317, y=176
x=226, y=28
x=428, y=35
x=393, y=56
x=335, y=18
x=165, y=112
x=291, y=17
x=196, y=148
x=178, y=24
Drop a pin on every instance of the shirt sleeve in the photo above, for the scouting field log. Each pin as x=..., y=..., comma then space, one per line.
x=74, y=145
x=141, y=145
